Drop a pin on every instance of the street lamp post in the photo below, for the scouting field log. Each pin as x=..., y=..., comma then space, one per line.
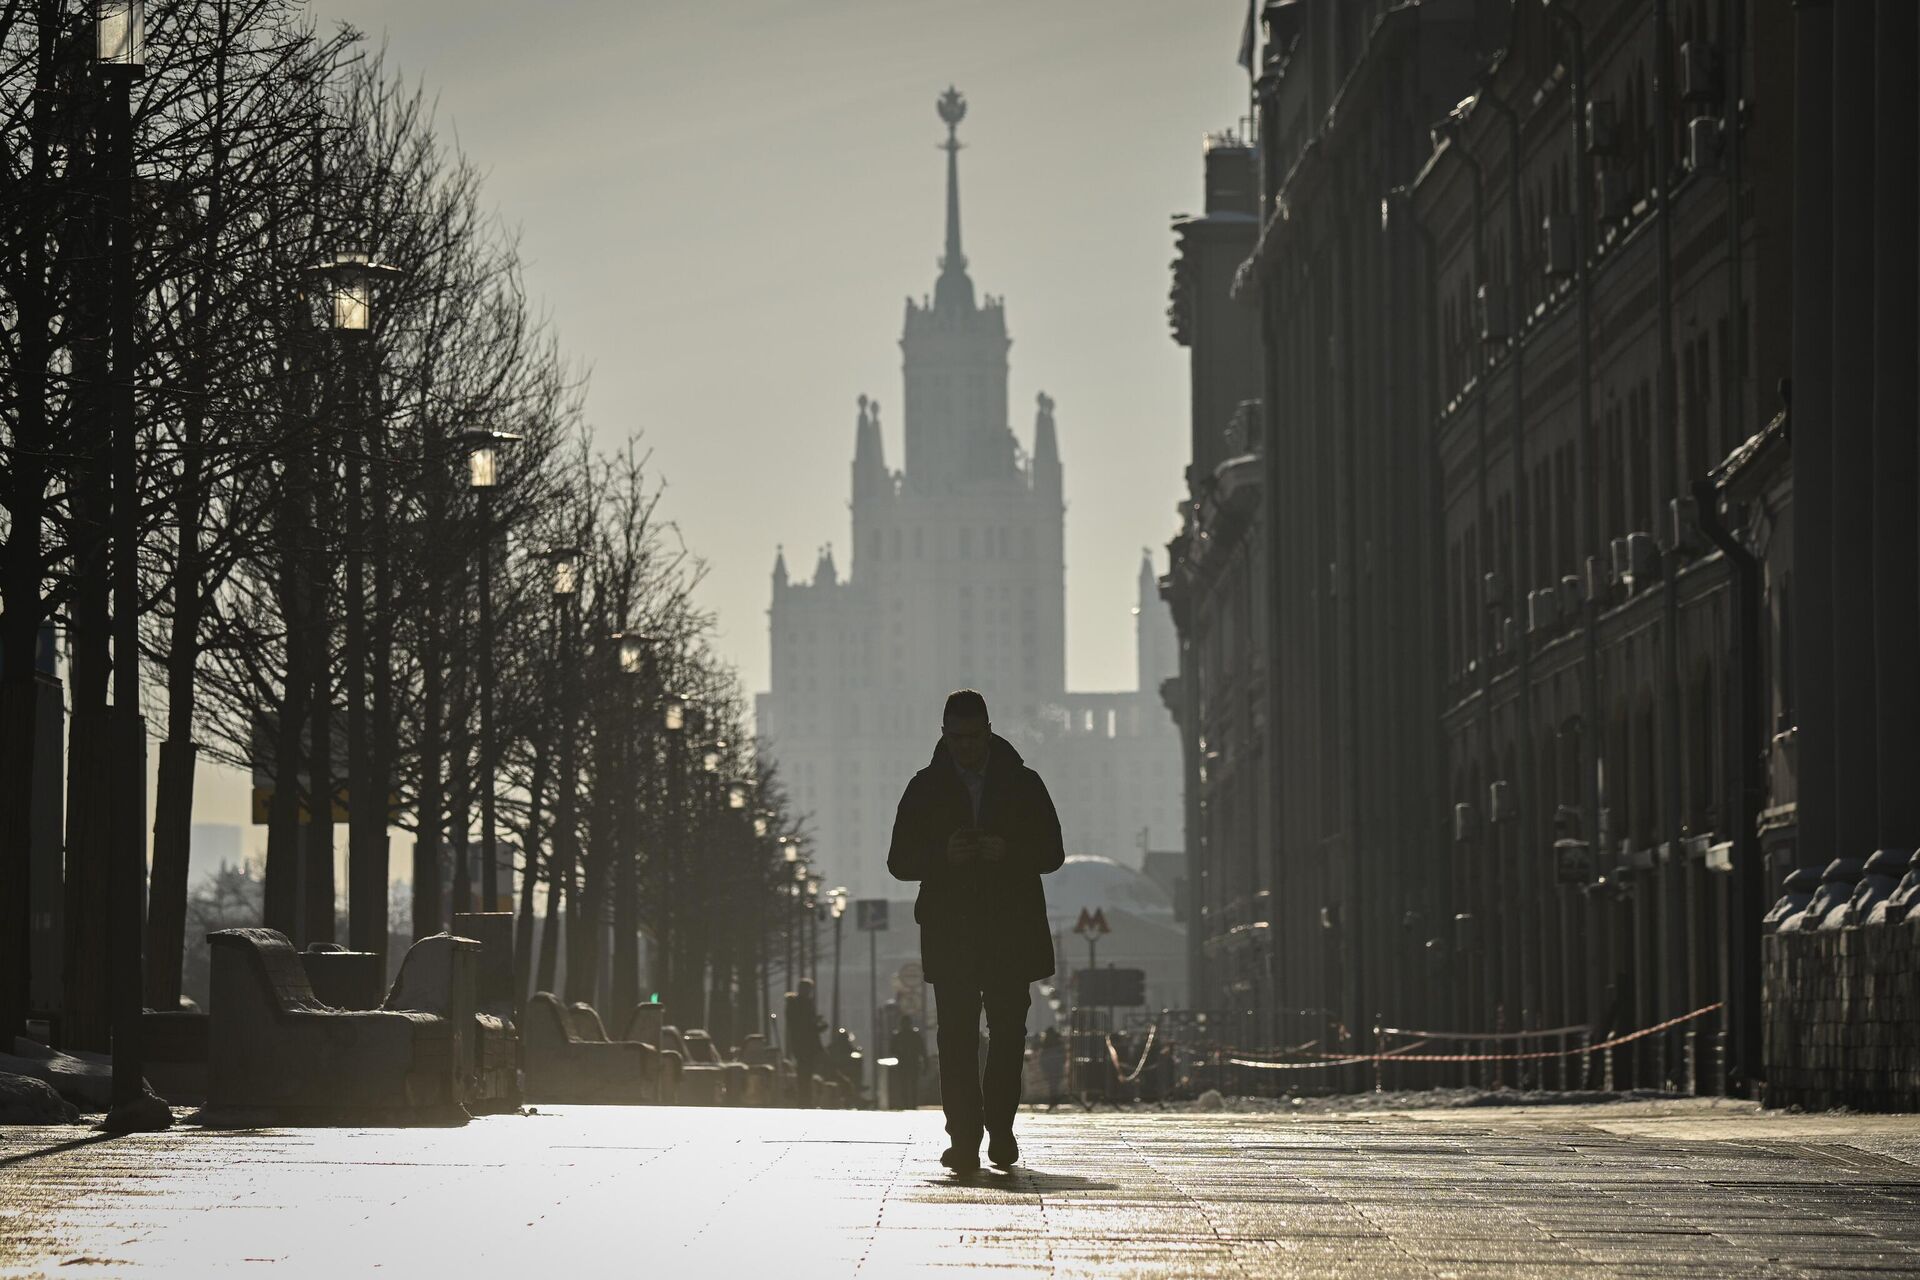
x=560, y=865
x=813, y=928
x=789, y=854
x=347, y=283
x=731, y=980
x=120, y=59
x=634, y=653
x=839, y=897
x=483, y=477
x=700, y=970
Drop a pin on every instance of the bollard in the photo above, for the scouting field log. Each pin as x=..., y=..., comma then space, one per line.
x=1606, y=1080
x=1379, y=1064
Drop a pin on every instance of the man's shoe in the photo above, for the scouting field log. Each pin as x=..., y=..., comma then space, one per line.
x=961, y=1160
x=1003, y=1150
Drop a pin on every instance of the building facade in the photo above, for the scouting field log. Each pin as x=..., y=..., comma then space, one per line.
x=1216, y=588
x=957, y=577
x=1525, y=282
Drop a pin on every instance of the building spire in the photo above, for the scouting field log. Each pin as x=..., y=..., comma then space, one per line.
x=954, y=285
x=869, y=459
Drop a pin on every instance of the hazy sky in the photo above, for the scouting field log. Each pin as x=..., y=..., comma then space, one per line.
x=723, y=206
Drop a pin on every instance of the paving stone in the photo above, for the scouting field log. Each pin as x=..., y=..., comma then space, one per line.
x=1549, y=1192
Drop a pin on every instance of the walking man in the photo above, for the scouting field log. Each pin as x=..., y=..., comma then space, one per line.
x=977, y=829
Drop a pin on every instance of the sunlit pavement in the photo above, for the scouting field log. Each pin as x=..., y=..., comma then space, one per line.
x=1678, y=1189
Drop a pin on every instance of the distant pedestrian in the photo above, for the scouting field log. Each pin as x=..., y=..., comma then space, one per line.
x=909, y=1049
x=803, y=1038
x=840, y=1054
x=1053, y=1065
x=977, y=829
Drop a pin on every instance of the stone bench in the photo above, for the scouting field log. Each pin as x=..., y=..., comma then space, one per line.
x=762, y=1061
x=703, y=1080
x=173, y=1051
x=273, y=1047
x=343, y=979
x=564, y=1065
x=439, y=975
x=734, y=1076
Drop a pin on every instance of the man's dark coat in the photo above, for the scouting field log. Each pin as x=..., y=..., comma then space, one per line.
x=981, y=922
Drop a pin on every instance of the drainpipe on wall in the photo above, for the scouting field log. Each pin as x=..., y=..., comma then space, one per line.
x=1483, y=629
x=1439, y=987
x=1524, y=569
x=1750, y=743
x=1673, y=876
x=1591, y=736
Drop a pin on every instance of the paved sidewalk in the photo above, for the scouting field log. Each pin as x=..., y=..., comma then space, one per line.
x=1670, y=1190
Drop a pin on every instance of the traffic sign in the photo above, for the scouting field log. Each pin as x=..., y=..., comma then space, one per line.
x=870, y=914
x=1110, y=987
x=1094, y=921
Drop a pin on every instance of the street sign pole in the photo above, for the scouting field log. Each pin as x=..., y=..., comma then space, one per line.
x=870, y=917
x=873, y=1007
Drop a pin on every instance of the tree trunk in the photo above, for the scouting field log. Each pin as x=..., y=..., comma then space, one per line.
x=560, y=886
x=529, y=875
x=88, y=1014
x=317, y=880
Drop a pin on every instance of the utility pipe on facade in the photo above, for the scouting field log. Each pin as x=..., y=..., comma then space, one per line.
x=1590, y=736
x=1523, y=785
x=1673, y=873
x=1749, y=747
x=1810, y=413
x=1440, y=993
x=1456, y=144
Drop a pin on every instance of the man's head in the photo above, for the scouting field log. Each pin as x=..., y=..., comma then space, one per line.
x=965, y=729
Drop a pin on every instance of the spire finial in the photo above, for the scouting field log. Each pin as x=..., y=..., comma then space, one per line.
x=953, y=109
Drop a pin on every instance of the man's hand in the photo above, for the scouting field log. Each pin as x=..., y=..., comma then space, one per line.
x=993, y=848
x=962, y=847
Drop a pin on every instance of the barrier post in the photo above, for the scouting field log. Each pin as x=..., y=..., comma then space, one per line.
x=1721, y=1083
x=1379, y=1064
x=1606, y=1079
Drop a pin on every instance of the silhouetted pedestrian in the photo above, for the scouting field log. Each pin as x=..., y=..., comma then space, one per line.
x=840, y=1054
x=803, y=1038
x=1053, y=1065
x=909, y=1050
x=977, y=829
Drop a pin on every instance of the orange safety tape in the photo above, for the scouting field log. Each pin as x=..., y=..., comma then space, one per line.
x=1485, y=1035
x=1113, y=1056
x=1658, y=1027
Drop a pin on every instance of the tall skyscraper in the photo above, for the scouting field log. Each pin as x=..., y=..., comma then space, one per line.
x=956, y=577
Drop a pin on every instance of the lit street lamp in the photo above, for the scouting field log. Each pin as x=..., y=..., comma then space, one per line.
x=344, y=303
x=839, y=900
x=565, y=562
x=634, y=657
x=813, y=928
x=483, y=477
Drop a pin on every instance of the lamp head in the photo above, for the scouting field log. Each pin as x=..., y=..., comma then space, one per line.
x=566, y=570
x=120, y=36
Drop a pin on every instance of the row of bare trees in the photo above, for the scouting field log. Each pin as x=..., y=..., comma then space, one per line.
x=381, y=564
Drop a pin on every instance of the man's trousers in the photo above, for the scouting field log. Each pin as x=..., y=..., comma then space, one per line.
x=976, y=1099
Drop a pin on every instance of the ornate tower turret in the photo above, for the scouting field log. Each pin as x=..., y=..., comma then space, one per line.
x=869, y=458
x=954, y=289
x=1046, y=451
x=955, y=361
